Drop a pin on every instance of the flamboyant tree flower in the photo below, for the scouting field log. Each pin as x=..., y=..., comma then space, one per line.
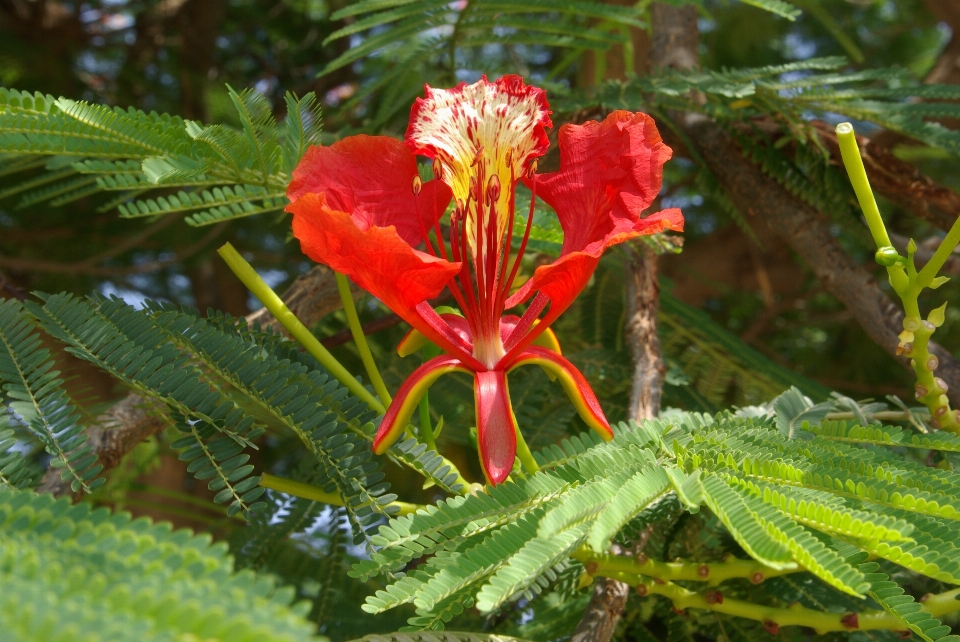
x=360, y=207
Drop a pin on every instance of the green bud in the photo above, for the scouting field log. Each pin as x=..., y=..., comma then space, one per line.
x=887, y=256
x=937, y=316
x=937, y=282
x=911, y=248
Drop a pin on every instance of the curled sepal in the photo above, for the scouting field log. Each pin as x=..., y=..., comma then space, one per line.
x=496, y=425
x=409, y=395
x=574, y=384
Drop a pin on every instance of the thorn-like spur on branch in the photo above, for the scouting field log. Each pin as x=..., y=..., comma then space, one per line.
x=131, y=420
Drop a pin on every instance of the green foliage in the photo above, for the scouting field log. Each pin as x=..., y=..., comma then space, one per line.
x=41, y=404
x=226, y=172
x=73, y=573
x=786, y=502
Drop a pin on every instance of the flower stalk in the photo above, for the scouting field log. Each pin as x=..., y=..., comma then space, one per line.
x=307, y=491
x=297, y=330
x=908, y=283
x=360, y=339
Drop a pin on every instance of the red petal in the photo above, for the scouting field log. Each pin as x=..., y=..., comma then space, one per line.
x=574, y=383
x=376, y=258
x=608, y=171
x=398, y=414
x=371, y=178
x=496, y=425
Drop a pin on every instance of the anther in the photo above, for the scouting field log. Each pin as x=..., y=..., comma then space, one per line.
x=932, y=363
x=509, y=158
x=437, y=170
x=850, y=621
x=533, y=168
x=493, y=188
x=703, y=570
x=476, y=159
x=474, y=190
x=417, y=185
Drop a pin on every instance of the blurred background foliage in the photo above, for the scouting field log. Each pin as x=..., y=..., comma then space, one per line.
x=733, y=284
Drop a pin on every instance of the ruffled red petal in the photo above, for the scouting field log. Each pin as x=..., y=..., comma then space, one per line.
x=496, y=425
x=371, y=178
x=609, y=171
x=376, y=258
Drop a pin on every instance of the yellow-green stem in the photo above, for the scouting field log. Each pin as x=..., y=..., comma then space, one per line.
x=306, y=491
x=360, y=339
x=850, y=152
x=795, y=615
x=426, y=427
x=523, y=452
x=710, y=572
x=297, y=330
x=908, y=284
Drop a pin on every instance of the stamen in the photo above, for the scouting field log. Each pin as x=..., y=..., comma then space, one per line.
x=493, y=189
x=526, y=235
x=526, y=321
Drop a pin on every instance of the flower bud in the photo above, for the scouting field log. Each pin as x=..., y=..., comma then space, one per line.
x=417, y=185
x=887, y=256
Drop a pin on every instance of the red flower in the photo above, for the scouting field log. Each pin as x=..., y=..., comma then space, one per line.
x=360, y=207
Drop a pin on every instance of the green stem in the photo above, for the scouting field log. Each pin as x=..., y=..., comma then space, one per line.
x=795, y=615
x=712, y=573
x=306, y=491
x=297, y=330
x=947, y=246
x=908, y=284
x=426, y=428
x=850, y=152
x=523, y=452
x=360, y=339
